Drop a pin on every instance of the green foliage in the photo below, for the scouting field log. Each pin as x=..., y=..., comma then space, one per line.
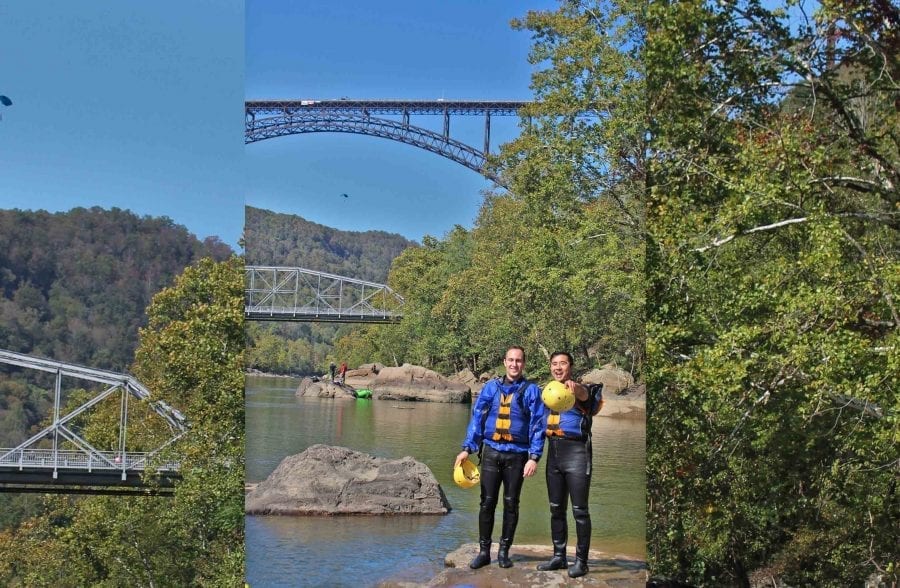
x=74, y=287
x=772, y=332
x=190, y=355
x=556, y=262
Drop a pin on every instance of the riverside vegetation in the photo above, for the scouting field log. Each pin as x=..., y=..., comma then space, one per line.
x=190, y=354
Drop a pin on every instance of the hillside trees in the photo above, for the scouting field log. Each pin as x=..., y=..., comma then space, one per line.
x=190, y=355
x=773, y=258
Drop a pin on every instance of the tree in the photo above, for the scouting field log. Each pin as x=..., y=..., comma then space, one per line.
x=772, y=325
x=190, y=356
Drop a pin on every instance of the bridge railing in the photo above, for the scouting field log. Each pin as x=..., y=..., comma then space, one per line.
x=71, y=459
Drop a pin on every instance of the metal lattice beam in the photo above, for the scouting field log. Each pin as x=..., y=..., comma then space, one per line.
x=266, y=119
x=58, y=457
x=302, y=295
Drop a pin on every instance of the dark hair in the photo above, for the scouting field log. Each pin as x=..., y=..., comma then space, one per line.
x=566, y=353
x=511, y=347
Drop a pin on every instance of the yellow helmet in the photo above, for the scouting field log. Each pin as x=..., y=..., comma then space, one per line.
x=466, y=474
x=557, y=397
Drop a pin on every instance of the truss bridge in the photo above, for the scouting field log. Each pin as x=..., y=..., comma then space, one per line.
x=302, y=295
x=60, y=458
x=266, y=119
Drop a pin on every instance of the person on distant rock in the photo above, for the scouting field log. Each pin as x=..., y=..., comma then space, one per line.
x=508, y=418
x=569, y=467
x=332, y=369
x=343, y=372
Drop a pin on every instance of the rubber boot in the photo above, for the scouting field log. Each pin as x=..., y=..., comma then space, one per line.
x=503, y=554
x=583, y=541
x=558, y=561
x=579, y=568
x=484, y=556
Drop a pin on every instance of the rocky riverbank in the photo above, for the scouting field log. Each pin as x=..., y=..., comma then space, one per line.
x=605, y=570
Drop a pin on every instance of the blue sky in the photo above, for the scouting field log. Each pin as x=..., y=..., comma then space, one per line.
x=389, y=50
x=136, y=105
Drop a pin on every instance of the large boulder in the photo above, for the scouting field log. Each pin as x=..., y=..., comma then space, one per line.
x=323, y=389
x=413, y=382
x=469, y=379
x=614, y=380
x=326, y=480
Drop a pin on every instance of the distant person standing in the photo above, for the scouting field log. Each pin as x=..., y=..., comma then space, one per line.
x=343, y=372
x=569, y=468
x=332, y=368
x=508, y=418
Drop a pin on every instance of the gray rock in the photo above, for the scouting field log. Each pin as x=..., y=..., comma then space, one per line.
x=326, y=480
x=614, y=380
x=468, y=378
x=605, y=570
x=412, y=382
x=323, y=389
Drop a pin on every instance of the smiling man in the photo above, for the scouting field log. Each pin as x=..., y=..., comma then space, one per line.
x=569, y=468
x=508, y=418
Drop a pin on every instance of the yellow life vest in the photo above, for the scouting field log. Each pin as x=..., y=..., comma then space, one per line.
x=501, y=427
x=553, y=429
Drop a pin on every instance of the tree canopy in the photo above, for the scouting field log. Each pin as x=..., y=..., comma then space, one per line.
x=772, y=314
x=190, y=355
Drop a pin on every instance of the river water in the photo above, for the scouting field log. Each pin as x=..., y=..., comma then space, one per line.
x=363, y=551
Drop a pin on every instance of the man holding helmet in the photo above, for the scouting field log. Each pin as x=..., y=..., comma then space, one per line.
x=568, y=432
x=508, y=418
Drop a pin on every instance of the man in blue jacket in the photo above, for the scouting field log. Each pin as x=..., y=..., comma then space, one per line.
x=569, y=468
x=508, y=418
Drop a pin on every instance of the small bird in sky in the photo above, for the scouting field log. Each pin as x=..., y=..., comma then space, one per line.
x=5, y=102
x=345, y=196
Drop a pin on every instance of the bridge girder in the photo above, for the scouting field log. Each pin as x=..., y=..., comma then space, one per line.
x=296, y=294
x=266, y=119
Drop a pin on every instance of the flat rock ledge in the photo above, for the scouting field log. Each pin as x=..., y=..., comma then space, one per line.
x=416, y=383
x=324, y=389
x=605, y=570
x=328, y=480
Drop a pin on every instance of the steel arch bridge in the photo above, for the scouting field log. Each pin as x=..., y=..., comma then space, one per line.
x=58, y=458
x=300, y=295
x=265, y=119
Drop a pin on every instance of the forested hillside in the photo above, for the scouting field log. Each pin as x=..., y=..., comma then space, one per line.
x=74, y=285
x=272, y=238
x=190, y=356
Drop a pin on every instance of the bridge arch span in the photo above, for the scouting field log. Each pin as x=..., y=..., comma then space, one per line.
x=452, y=149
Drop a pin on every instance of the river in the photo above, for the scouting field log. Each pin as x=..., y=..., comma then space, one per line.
x=362, y=551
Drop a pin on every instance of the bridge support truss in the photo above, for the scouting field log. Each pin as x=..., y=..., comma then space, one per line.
x=59, y=459
x=265, y=119
x=301, y=295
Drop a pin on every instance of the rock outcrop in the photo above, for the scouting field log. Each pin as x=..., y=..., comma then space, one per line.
x=468, y=378
x=326, y=480
x=614, y=380
x=621, y=396
x=323, y=389
x=606, y=570
x=412, y=382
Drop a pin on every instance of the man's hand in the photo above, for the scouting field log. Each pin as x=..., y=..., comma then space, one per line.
x=530, y=468
x=579, y=390
x=459, y=458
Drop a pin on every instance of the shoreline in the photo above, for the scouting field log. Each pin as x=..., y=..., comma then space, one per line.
x=605, y=569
